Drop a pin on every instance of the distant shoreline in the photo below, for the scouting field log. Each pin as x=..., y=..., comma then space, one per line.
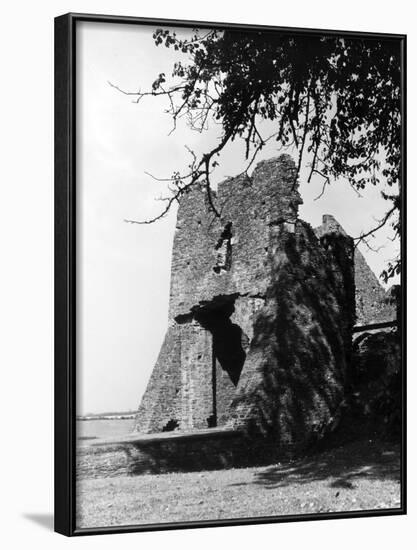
x=107, y=416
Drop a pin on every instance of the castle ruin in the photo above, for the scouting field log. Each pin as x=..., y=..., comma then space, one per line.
x=261, y=314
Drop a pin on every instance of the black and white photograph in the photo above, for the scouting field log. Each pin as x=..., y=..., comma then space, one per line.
x=238, y=342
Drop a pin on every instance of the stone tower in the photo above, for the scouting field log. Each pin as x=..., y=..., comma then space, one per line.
x=260, y=317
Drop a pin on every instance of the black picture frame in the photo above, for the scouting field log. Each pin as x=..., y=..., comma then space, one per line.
x=65, y=279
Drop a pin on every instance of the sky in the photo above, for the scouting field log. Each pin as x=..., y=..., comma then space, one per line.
x=123, y=270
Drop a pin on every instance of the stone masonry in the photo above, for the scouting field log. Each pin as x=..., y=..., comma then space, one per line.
x=261, y=315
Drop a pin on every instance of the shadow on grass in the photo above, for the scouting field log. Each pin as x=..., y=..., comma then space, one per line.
x=342, y=467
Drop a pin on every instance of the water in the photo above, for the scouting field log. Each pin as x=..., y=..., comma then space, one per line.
x=92, y=429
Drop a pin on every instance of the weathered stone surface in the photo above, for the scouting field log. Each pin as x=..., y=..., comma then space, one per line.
x=373, y=304
x=260, y=317
x=294, y=375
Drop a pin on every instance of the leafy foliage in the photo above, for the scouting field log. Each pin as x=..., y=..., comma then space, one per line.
x=375, y=395
x=337, y=100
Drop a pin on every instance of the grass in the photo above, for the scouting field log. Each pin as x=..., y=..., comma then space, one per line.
x=360, y=476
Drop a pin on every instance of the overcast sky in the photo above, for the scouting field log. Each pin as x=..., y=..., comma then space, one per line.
x=123, y=270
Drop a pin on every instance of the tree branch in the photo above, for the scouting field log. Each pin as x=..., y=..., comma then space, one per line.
x=381, y=224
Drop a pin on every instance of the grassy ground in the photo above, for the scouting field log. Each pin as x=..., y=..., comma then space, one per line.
x=359, y=476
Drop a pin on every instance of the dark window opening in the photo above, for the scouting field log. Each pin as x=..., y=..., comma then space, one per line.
x=224, y=250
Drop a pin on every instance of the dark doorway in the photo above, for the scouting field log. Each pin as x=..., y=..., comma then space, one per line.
x=229, y=344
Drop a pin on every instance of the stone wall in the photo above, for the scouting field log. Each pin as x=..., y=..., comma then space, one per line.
x=260, y=317
x=295, y=371
x=373, y=304
x=175, y=453
x=216, y=264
